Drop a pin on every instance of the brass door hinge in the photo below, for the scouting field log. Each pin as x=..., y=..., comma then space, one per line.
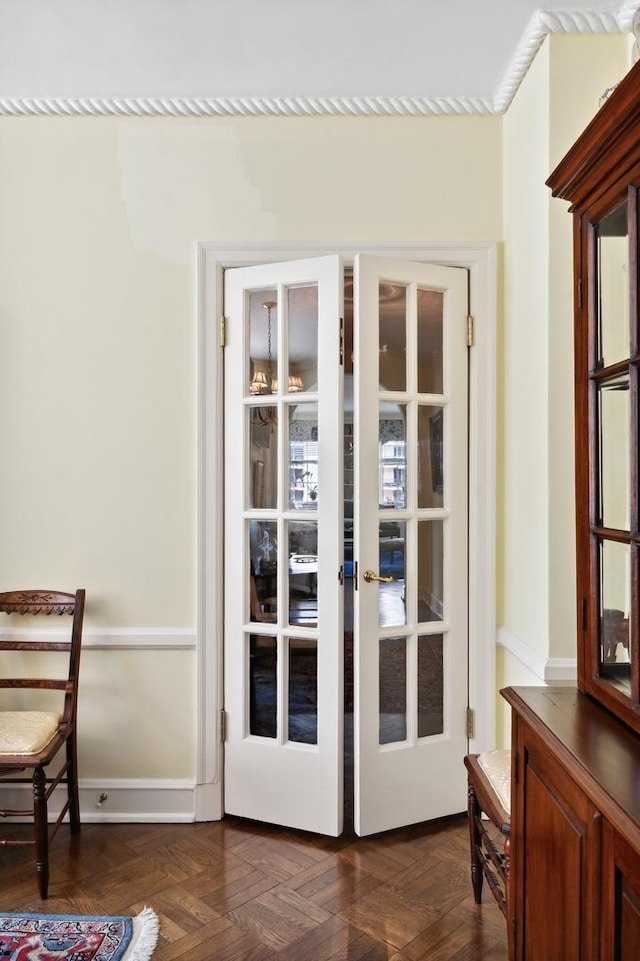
x=341, y=352
x=471, y=722
x=223, y=726
x=471, y=331
x=223, y=331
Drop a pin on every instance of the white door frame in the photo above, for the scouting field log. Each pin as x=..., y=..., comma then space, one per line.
x=213, y=259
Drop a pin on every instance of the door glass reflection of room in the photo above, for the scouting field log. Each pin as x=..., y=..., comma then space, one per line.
x=299, y=551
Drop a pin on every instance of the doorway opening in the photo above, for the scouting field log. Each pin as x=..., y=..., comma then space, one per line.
x=214, y=261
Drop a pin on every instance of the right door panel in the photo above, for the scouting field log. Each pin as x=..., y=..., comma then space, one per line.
x=410, y=610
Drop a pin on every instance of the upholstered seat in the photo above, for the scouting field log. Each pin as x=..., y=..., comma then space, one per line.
x=26, y=732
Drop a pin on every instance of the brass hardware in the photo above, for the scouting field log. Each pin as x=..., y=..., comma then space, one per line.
x=223, y=331
x=372, y=576
x=223, y=726
x=341, y=350
x=471, y=331
x=471, y=722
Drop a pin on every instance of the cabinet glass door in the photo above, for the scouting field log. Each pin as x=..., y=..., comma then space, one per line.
x=614, y=406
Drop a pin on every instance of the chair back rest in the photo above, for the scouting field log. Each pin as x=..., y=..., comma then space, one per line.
x=45, y=602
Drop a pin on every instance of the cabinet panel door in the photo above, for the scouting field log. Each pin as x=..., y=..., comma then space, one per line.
x=558, y=879
x=621, y=898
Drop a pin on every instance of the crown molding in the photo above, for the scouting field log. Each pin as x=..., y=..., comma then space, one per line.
x=542, y=24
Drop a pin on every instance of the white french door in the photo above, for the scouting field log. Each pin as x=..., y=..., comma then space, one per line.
x=411, y=589
x=283, y=544
x=284, y=568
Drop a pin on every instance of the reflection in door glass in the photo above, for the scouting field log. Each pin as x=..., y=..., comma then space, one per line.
x=430, y=457
x=262, y=377
x=392, y=456
x=430, y=571
x=613, y=287
x=303, y=339
x=392, y=347
x=263, y=553
x=430, y=685
x=429, y=341
x=303, y=691
x=391, y=561
x=303, y=457
x=393, y=689
x=614, y=417
x=303, y=573
x=263, y=454
x=615, y=578
x=263, y=689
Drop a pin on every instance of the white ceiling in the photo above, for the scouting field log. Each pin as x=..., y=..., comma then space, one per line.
x=280, y=56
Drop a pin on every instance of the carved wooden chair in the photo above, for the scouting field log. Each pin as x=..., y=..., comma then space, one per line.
x=31, y=732
x=489, y=795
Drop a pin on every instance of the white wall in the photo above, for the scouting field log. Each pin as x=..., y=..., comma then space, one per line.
x=99, y=222
x=536, y=506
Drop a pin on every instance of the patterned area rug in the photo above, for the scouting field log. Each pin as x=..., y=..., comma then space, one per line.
x=65, y=937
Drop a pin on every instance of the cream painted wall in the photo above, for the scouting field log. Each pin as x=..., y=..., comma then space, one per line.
x=523, y=513
x=99, y=222
x=536, y=542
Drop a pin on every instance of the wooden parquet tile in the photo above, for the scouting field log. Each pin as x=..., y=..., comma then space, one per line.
x=240, y=891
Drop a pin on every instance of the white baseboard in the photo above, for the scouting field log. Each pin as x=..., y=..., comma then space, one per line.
x=549, y=670
x=127, y=800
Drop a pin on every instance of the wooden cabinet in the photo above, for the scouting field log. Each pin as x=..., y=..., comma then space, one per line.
x=600, y=176
x=575, y=829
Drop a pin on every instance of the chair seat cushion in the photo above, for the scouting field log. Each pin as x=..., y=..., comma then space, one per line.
x=497, y=767
x=26, y=732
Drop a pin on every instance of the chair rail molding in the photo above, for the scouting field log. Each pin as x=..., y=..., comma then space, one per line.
x=119, y=638
x=542, y=24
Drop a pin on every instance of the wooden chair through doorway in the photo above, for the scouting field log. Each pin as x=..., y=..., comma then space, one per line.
x=34, y=730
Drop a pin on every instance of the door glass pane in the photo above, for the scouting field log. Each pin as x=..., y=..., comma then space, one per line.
x=430, y=685
x=613, y=287
x=391, y=605
x=262, y=375
x=392, y=346
x=263, y=454
x=263, y=552
x=430, y=457
x=263, y=685
x=393, y=689
x=303, y=573
x=392, y=456
x=615, y=576
x=429, y=341
x=430, y=571
x=303, y=691
x=303, y=339
x=303, y=457
x=614, y=411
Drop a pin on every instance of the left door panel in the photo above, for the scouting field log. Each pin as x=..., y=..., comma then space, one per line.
x=283, y=639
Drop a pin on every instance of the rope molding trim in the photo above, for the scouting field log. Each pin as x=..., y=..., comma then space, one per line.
x=541, y=24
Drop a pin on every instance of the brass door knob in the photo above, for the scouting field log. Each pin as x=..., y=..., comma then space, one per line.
x=372, y=576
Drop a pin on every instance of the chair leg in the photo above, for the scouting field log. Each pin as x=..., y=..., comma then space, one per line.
x=41, y=831
x=72, y=784
x=477, y=876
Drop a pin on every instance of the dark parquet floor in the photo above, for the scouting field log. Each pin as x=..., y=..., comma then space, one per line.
x=240, y=891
